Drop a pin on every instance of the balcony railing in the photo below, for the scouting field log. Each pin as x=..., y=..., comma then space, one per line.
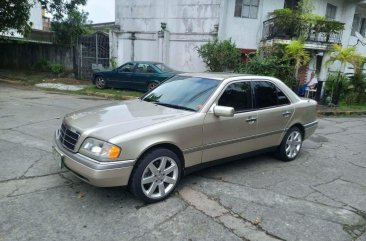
x=316, y=33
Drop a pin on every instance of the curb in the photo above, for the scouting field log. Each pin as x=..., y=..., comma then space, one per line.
x=341, y=113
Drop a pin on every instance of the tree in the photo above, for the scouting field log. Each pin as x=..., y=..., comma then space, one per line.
x=269, y=61
x=344, y=56
x=295, y=51
x=67, y=30
x=14, y=14
x=220, y=55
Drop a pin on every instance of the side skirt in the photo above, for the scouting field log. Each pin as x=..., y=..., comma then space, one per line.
x=204, y=165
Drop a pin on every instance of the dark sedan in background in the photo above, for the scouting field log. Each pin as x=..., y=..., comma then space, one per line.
x=137, y=75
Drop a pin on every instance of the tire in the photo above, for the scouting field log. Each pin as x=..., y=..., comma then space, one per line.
x=149, y=181
x=151, y=86
x=100, y=82
x=290, y=145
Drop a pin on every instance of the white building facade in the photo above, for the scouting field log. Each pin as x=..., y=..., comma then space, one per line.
x=170, y=31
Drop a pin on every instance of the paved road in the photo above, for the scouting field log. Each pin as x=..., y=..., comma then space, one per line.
x=319, y=196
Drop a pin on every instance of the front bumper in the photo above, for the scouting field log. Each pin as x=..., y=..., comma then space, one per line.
x=100, y=174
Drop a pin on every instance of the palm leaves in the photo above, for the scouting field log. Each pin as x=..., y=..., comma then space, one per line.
x=295, y=51
x=344, y=56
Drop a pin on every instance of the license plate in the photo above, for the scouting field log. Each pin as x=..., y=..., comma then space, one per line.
x=58, y=157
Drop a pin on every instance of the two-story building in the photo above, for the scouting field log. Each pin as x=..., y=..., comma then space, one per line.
x=171, y=30
x=40, y=25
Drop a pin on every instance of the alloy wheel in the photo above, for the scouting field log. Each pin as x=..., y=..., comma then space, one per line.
x=159, y=177
x=293, y=144
x=100, y=83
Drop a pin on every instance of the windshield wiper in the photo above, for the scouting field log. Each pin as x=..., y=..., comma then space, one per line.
x=175, y=106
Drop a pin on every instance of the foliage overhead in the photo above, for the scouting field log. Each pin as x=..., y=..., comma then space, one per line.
x=220, y=56
x=14, y=14
x=68, y=29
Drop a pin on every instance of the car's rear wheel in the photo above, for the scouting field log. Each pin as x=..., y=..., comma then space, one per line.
x=290, y=145
x=156, y=175
x=100, y=82
x=151, y=85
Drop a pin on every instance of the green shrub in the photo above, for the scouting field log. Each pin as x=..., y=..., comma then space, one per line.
x=358, y=86
x=113, y=62
x=220, y=56
x=337, y=87
x=42, y=65
x=57, y=69
x=269, y=66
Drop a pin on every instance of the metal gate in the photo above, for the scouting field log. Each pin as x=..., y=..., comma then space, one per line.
x=92, y=54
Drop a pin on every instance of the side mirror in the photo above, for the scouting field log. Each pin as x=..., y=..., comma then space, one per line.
x=223, y=111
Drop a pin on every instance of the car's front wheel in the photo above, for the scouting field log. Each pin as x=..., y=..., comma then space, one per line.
x=156, y=175
x=100, y=82
x=290, y=145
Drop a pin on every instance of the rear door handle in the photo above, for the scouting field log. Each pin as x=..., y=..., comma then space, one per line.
x=251, y=120
x=286, y=113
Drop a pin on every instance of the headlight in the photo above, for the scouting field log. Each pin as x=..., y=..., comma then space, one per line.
x=101, y=150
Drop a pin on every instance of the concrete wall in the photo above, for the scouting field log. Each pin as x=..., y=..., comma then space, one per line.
x=26, y=55
x=245, y=32
x=190, y=23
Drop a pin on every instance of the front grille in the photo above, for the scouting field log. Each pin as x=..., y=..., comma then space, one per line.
x=68, y=138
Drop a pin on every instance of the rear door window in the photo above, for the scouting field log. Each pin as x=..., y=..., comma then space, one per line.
x=268, y=95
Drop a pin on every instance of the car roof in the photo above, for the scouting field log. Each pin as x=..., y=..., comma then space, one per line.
x=214, y=75
x=144, y=62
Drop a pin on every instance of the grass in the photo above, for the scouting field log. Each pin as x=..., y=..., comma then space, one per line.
x=25, y=77
x=30, y=78
x=109, y=93
x=354, y=107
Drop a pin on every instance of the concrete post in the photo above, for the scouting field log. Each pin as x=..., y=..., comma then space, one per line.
x=133, y=38
x=160, y=45
x=166, y=47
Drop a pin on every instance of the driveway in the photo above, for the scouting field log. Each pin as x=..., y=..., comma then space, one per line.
x=319, y=196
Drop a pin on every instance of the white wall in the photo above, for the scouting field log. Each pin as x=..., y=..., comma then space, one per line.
x=36, y=16
x=190, y=23
x=245, y=32
x=352, y=39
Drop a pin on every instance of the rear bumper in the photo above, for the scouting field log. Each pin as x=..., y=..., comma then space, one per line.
x=310, y=129
x=100, y=174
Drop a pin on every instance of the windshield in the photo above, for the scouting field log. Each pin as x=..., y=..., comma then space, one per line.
x=183, y=92
x=164, y=68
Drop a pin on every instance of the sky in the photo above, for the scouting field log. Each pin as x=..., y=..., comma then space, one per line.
x=100, y=11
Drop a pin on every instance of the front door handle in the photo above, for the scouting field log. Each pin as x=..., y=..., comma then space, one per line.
x=287, y=113
x=251, y=119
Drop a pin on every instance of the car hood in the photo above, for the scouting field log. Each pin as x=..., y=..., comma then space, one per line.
x=108, y=121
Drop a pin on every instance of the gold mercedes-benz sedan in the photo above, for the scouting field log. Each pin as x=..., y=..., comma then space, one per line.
x=190, y=121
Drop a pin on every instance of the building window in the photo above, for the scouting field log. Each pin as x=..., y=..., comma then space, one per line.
x=363, y=26
x=292, y=4
x=356, y=24
x=331, y=11
x=246, y=8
